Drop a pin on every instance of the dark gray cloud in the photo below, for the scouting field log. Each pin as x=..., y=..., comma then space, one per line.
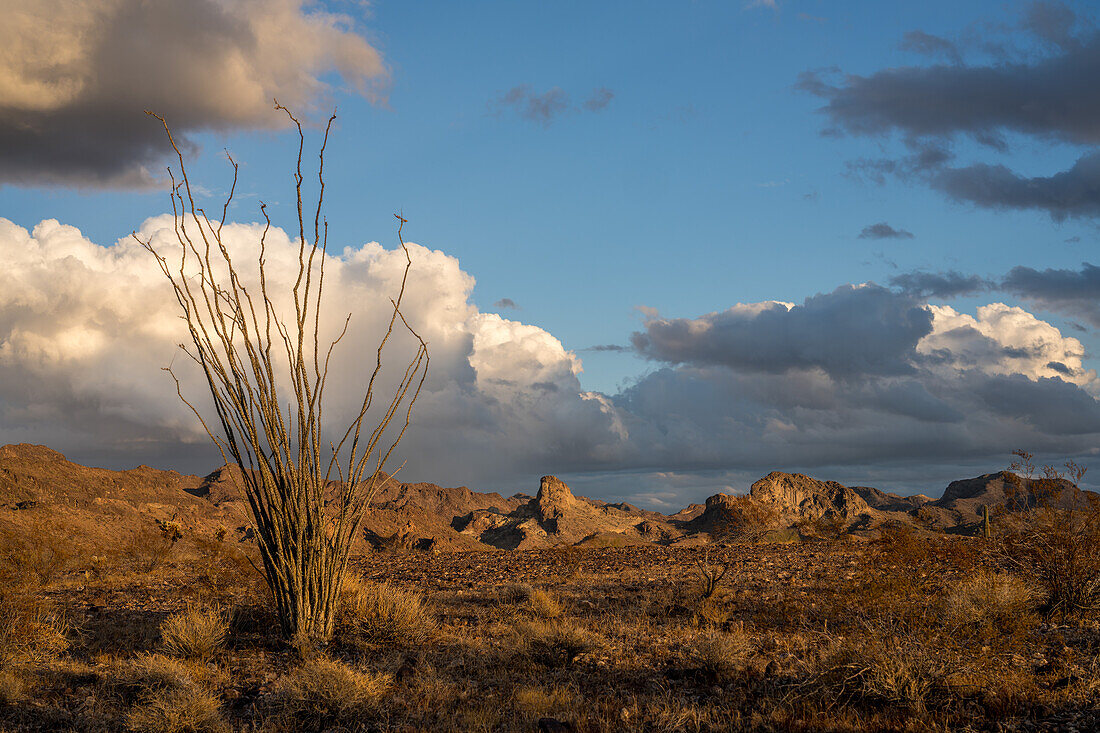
x=599, y=99
x=1074, y=193
x=930, y=45
x=853, y=331
x=76, y=78
x=882, y=230
x=608, y=347
x=948, y=284
x=1051, y=94
x=506, y=303
x=1052, y=97
x=1075, y=292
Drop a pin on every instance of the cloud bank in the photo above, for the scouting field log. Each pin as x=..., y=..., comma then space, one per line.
x=860, y=377
x=76, y=77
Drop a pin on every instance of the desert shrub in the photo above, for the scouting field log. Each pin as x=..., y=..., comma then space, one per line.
x=37, y=554
x=542, y=603
x=555, y=643
x=379, y=613
x=195, y=633
x=988, y=601
x=148, y=549
x=902, y=545
x=1058, y=550
x=889, y=663
x=187, y=709
x=743, y=520
x=323, y=693
x=32, y=633
x=721, y=655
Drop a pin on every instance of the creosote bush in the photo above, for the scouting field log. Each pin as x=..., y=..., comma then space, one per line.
x=379, y=613
x=196, y=633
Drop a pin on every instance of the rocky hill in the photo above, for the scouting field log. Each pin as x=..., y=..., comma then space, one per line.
x=41, y=491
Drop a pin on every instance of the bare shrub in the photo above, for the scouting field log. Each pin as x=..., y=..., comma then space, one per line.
x=988, y=600
x=325, y=693
x=711, y=569
x=1052, y=540
x=195, y=633
x=555, y=643
x=379, y=613
x=722, y=655
x=542, y=603
x=187, y=709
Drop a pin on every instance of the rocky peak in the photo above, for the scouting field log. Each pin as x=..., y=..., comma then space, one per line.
x=553, y=500
x=797, y=494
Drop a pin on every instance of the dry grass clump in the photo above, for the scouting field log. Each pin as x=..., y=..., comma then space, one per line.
x=514, y=593
x=13, y=687
x=721, y=655
x=988, y=601
x=555, y=643
x=40, y=554
x=323, y=693
x=178, y=710
x=164, y=696
x=32, y=633
x=196, y=633
x=542, y=604
x=379, y=613
x=540, y=701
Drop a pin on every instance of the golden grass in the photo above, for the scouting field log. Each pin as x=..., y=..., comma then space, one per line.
x=379, y=613
x=324, y=692
x=195, y=633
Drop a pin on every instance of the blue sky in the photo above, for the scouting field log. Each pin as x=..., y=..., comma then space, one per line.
x=706, y=180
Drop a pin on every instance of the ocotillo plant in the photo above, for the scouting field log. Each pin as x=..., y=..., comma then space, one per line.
x=306, y=491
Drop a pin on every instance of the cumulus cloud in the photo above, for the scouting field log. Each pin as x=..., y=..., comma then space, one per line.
x=76, y=77
x=1075, y=292
x=85, y=330
x=882, y=230
x=1046, y=92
